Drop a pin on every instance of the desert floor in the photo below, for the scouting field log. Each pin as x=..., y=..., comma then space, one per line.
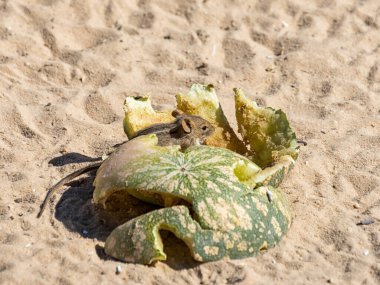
x=66, y=67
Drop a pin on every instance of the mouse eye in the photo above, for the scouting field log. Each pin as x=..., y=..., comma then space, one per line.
x=204, y=128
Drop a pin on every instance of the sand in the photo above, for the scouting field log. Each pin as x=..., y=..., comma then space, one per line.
x=66, y=66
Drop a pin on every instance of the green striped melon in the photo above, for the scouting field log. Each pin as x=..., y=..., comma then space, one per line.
x=230, y=217
x=220, y=203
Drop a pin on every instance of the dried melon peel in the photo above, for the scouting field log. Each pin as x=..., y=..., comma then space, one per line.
x=266, y=130
x=232, y=220
x=201, y=100
x=140, y=114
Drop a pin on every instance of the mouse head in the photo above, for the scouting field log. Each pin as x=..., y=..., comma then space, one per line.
x=194, y=126
x=205, y=129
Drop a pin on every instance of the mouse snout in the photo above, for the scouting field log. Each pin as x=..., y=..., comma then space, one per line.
x=211, y=130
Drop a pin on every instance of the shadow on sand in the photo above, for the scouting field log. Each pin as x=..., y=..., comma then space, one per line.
x=70, y=158
x=76, y=210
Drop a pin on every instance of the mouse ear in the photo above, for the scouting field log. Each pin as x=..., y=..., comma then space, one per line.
x=176, y=113
x=187, y=125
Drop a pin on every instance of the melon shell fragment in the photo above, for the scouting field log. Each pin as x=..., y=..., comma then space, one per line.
x=265, y=130
x=231, y=218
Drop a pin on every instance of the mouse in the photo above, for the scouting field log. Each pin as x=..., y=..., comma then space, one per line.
x=185, y=131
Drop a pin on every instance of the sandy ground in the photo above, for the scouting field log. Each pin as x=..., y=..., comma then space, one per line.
x=66, y=66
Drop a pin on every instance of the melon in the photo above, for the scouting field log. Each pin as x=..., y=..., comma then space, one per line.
x=221, y=199
x=230, y=217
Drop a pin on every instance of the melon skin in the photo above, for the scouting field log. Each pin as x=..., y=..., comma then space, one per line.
x=139, y=240
x=231, y=219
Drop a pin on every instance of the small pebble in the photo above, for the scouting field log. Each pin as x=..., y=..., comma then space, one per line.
x=118, y=269
x=269, y=196
x=28, y=245
x=356, y=206
x=85, y=232
x=366, y=252
x=213, y=50
x=18, y=200
x=269, y=69
x=365, y=222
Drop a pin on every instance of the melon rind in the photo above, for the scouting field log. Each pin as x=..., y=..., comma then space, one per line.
x=267, y=131
x=231, y=219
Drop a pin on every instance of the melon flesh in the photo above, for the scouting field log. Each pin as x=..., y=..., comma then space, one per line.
x=265, y=130
x=140, y=114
